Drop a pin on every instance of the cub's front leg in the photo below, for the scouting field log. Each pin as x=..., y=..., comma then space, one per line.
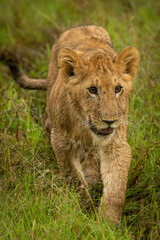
x=68, y=156
x=115, y=163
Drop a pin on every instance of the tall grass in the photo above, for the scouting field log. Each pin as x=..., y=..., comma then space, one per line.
x=34, y=202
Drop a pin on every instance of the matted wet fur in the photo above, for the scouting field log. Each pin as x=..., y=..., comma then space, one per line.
x=88, y=88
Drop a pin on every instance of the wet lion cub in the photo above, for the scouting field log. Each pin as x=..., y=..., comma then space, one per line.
x=88, y=88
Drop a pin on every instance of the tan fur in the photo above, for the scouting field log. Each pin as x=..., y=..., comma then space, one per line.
x=82, y=58
x=24, y=81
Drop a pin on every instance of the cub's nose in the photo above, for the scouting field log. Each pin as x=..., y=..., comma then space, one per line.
x=109, y=122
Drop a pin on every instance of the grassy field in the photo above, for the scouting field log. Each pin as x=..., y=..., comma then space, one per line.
x=34, y=202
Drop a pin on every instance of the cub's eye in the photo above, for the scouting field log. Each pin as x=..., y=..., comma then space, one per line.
x=118, y=89
x=93, y=90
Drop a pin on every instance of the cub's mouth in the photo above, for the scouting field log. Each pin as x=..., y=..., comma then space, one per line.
x=103, y=131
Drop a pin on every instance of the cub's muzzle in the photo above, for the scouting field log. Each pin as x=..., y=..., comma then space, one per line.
x=102, y=131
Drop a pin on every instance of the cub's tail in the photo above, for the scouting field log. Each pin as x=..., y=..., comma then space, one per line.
x=24, y=81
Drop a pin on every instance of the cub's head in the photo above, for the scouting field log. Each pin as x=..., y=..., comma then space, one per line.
x=99, y=85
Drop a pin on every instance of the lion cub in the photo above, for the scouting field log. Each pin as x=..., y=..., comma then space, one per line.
x=88, y=88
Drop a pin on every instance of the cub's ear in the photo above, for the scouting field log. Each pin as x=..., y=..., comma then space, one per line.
x=127, y=61
x=68, y=59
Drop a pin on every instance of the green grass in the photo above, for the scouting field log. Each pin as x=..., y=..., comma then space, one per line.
x=34, y=202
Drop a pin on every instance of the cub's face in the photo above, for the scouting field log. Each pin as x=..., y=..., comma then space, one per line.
x=99, y=87
x=104, y=97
